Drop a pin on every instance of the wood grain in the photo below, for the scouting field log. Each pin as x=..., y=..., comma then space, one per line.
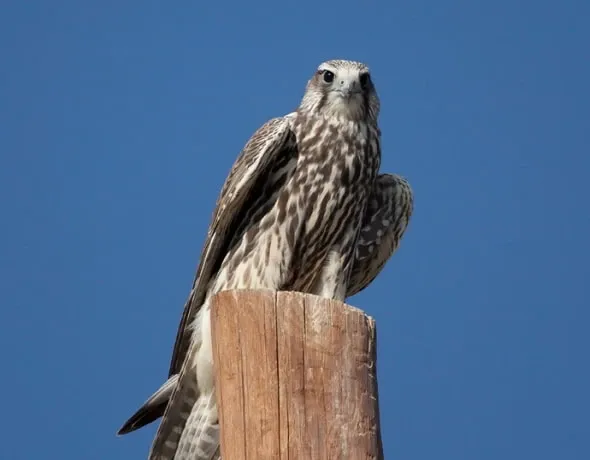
x=295, y=377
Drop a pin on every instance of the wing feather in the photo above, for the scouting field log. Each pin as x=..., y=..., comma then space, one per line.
x=152, y=409
x=189, y=410
x=263, y=147
x=386, y=219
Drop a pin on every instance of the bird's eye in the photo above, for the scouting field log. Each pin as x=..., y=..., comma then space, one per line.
x=328, y=76
x=364, y=80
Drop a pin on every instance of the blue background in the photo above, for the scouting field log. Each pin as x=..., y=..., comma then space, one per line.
x=120, y=120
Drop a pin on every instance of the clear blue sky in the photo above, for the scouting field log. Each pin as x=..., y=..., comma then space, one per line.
x=120, y=120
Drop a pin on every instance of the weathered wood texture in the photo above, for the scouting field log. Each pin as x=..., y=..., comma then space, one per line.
x=295, y=378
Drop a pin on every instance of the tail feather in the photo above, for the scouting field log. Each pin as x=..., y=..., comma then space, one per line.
x=178, y=410
x=200, y=438
x=190, y=425
x=152, y=409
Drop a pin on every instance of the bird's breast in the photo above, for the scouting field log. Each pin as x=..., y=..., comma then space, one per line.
x=343, y=153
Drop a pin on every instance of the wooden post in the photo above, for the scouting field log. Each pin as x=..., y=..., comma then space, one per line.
x=295, y=377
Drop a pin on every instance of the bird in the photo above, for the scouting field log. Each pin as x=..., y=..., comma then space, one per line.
x=304, y=209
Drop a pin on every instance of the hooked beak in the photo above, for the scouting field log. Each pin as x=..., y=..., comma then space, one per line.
x=346, y=88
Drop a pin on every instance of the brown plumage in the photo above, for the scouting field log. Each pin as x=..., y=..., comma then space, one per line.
x=302, y=209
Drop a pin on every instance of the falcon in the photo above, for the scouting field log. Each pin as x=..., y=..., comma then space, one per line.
x=303, y=209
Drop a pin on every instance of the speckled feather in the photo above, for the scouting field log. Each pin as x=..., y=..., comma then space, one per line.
x=387, y=216
x=299, y=211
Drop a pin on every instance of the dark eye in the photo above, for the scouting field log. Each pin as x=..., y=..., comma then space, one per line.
x=365, y=79
x=328, y=76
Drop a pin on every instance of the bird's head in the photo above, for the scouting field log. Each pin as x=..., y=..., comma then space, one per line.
x=342, y=89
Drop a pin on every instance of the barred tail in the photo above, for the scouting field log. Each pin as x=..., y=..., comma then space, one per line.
x=190, y=425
